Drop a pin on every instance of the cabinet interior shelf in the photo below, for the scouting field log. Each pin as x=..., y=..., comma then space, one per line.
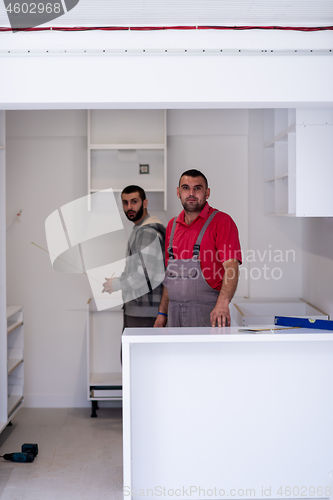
x=13, y=326
x=282, y=136
x=13, y=402
x=121, y=147
x=13, y=363
x=106, y=379
x=271, y=179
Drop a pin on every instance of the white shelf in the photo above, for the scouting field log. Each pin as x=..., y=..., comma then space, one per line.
x=13, y=403
x=282, y=136
x=13, y=363
x=12, y=326
x=106, y=379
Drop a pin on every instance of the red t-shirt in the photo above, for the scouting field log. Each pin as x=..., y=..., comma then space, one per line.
x=219, y=243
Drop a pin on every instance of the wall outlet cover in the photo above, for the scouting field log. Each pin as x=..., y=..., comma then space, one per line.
x=144, y=168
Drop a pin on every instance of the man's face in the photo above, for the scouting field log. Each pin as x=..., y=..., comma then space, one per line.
x=133, y=206
x=193, y=193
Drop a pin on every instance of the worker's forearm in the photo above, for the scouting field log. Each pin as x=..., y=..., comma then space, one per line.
x=164, y=304
x=229, y=283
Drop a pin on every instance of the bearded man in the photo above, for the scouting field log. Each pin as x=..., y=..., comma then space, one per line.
x=141, y=281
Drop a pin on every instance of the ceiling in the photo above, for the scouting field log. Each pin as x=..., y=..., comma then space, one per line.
x=299, y=13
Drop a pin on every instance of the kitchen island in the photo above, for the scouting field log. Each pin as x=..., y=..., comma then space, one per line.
x=219, y=413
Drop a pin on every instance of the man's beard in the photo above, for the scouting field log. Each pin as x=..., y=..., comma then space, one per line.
x=194, y=207
x=137, y=216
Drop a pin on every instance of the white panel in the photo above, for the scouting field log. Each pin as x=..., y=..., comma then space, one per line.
x=292, y=173
x=271, y=434
x=64, y=123
x=173, y=81
x=314, y=174
x=269, y=197
x=315, y=116
x=280, y=121
x=281, y=195
x=281, y=157
x=117, y=168
x=127, y=126
x=317, y=272
x=162, y=40
x=3, y=318
x=106, y=330
x=208, y=122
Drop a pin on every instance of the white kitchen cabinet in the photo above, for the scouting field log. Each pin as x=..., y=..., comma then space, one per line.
x=121, y=143
x=225, y=414
x=298, y=154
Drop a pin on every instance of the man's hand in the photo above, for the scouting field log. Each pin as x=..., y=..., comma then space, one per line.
x=160, y=321
x=220, y=315
x=108, y=285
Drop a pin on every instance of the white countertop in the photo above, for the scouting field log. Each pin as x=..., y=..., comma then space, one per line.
x=225, y=334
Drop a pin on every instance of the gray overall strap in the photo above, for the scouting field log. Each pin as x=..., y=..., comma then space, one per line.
x=196, y=248
x=170, y=250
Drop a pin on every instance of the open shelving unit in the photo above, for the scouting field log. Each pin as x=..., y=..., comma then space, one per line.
x=104, y=377
x=14, y=364
x=279, y=161
x=119, y=141
x=11, y=317
x=298, y=148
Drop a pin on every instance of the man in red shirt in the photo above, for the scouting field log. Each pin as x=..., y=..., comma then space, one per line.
x=202, y=256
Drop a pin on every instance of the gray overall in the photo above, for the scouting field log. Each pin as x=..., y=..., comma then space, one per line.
x=191, y=299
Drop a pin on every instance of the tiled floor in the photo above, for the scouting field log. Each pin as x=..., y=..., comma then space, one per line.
x=79, y=457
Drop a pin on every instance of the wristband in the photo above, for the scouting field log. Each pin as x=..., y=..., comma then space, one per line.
x=163, y=314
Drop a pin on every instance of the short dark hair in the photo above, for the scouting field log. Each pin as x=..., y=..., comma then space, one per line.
x=194, y=173
x=134, y=189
